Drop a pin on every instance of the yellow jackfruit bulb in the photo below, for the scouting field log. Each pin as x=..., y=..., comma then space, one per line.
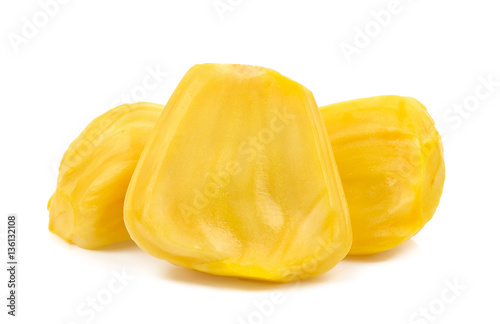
x=238, y=179
x=87, y=206
x=390, y=158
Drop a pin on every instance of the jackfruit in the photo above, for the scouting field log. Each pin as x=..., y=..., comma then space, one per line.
x=390, y=159
x=87, y=206
x=238, y=179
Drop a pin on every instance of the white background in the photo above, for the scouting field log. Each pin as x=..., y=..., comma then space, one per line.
x=81, y=62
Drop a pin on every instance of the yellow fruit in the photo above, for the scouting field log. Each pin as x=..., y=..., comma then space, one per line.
x=87, y=206
x=390, y=160
x=238, y=179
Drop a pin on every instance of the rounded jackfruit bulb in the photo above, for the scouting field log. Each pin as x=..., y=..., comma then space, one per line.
x=390, y=159
x=87, y=206
x=238, y=179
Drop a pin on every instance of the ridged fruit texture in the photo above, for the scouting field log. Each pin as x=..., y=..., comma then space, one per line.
x=390, y=159
x=87, y=206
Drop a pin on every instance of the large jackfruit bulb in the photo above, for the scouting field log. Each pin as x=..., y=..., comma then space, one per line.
x=390, y=159
x=87, y=206
x=238, y=179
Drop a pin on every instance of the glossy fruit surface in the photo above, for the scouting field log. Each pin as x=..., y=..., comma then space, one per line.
x=238, y=179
